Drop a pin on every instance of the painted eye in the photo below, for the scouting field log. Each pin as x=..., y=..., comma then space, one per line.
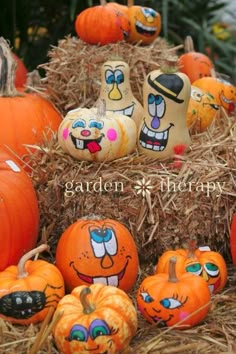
x=160, y=104
x=99, y=328
x=96, y=124
x=78, y=333
x=119, y=76
x=195, y=268
x=78, y=124
x=212, y=269
x=151, y=105
x=109, y=77
x=196, y=95
x=148, y=12
x=170, y=303
x=146, y=297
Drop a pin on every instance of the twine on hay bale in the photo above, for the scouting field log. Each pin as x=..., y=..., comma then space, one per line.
x=73, y=76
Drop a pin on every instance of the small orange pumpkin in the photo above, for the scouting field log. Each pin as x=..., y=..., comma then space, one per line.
x=97, y=250
x=21, y=72
x=102, y=24
x=168, y=300
x=28, y=290
x=208, y=264
x=19, y=212
x=95, y=319
x=202, y=110
x=233, y=238
x=194, y=64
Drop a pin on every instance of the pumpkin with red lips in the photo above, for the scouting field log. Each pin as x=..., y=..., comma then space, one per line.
x=97, y=250
x=170, y=300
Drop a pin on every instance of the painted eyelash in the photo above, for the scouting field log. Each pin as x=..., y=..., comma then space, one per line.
x=182, y=300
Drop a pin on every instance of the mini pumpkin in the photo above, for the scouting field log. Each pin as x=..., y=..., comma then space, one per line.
x=19, y=212
x=97, y=250
x=233, y=239
x=168, y=300
x=194, y=64
x=145, y=24
x=165, y=100
x=28, y=290
x=116, y=90
x=102, y=24
x=207, y=264
x=223, y=91
x=21, y=72
x=26, y=118
x=202, y=110
x=98, y=319
x=95, y=134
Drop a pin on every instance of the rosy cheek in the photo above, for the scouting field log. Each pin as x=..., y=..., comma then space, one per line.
x=111, y=134
x=65, y=133
x=183, y=315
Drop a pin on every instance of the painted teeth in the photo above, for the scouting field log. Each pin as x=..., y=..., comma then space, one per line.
x=126, y=112
x=152, y=134
x=226, y=100
x=79, y=144
x=145, y=28
x=112, y=280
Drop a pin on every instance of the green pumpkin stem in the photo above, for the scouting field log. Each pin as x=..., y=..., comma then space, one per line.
x=172, y=270
x=8, y=67
x=21, y=265
x=87, y=307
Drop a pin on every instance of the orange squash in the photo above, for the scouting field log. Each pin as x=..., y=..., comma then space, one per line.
x=19, y=213
x=28, y=290
x=97, y=250
x=233, y=239
x=207, y=264
x=21, y=72
x=26, y=118
x=95, y=319
x=166, y=299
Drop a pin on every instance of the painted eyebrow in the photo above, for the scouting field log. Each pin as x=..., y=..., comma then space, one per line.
x=117, y=66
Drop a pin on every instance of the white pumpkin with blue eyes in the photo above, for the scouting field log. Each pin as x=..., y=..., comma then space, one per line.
x=116, y=90
x=96, y=134
x=163, y=131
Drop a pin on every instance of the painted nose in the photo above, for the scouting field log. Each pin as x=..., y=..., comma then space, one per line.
x=205, y=276
x=115, y=93
x=85, y=132
x=107, y=261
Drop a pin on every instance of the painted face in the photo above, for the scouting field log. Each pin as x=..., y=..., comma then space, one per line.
x=145, y=24
x=226, y=95
x=86, y=137
x=202, y=109
x=96, y=337
x=103, y=254
x=116, y=90
x=166, y=98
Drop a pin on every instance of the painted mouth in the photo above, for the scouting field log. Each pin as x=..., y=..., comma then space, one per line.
x=152, y=140
x=145, y=30
x=213, y=106
x=93, y=145
x=226, y=100
x=214, y=287
x=110, y=280
x=128, y=111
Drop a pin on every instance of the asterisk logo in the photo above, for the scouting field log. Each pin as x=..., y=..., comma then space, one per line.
x=143, y=187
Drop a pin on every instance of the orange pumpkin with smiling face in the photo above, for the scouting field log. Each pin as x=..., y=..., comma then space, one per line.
x=95, y=250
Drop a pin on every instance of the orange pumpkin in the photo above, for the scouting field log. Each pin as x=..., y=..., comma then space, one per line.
x=26, y=118
x=168, y=300
x=95, y=319
x=19, y=214
x=202, y=110
x=223, y=91
x=102, y=24
x=194, y=64
x=21, y=72
x=207, y=264
x=28, y=290
x=97, y=250
x=145, y=24
x=233, y=238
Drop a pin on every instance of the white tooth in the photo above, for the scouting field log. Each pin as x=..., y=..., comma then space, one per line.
x=211, y=288
x=156, y=147
x=151, y=133
x=118, y=112
x=142, y=143
x=165, y=135
x=149, y=146
x=79, y=144
x=159, y=136
x=162, y=148
x=100, y=280
x=145, y=129
x=113, y=280
x=129, y=111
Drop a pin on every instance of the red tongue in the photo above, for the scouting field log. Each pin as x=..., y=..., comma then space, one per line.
x=153, y=143
x=86, y=278
x=93, y=146
x=231, y=108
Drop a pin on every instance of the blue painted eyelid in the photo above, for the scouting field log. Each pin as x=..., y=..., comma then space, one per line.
x=78, y=124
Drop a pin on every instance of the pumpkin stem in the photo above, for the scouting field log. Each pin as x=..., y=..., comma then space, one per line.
x=130, y=3
x=87, y=307
x=192, y=248
x=22, y=273
x=169, y=64
x=103, y=2
x=101, y=109
x=188, y=44
x=8, y=67
x=172, y=270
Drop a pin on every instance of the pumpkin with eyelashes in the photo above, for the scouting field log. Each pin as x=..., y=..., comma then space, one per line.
x=168, y=300
x=97, y=250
